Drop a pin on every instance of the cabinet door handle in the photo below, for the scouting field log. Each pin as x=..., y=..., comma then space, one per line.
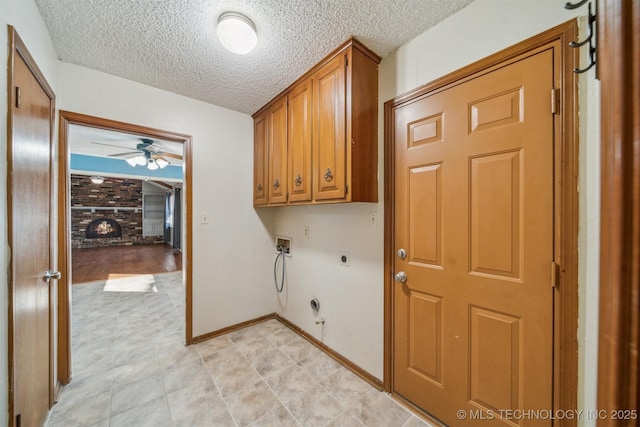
x=259, y=187
x=298, y=181
x=276, y=184
x=328, y=176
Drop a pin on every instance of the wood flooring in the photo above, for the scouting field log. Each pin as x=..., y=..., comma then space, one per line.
x=94, y=264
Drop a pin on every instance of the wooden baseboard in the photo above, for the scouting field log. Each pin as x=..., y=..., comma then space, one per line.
x=209, y=335
x=375, y=382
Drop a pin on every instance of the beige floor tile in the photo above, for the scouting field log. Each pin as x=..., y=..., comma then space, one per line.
x=376, y=409
x=314, y=408
x=252, y=403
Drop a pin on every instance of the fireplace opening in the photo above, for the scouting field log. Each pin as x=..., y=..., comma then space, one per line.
x=103, y=228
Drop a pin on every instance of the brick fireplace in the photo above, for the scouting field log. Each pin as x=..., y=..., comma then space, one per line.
x=112, y=211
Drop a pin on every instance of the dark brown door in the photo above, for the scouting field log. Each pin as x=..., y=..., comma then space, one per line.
x=474, y=213
x=30, y=228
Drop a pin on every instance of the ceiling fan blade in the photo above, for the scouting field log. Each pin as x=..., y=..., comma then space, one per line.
x=112, y=145
x=173, y=156
x=159, y=156
x=129, y=153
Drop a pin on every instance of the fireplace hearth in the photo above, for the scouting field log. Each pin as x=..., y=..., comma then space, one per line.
x=103, y=228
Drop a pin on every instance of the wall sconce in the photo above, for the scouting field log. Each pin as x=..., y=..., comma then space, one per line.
x=237, y=33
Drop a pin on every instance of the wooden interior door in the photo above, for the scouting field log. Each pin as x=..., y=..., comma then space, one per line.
x=329, y=137
x=474, y=192
x=299, y=143
x=278, y=152
x=31, y=246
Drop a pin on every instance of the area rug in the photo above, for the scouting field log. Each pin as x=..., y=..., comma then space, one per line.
x=130, y=283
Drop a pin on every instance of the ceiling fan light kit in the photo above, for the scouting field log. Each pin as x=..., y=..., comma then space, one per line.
x=237, y=33
x=146, y=154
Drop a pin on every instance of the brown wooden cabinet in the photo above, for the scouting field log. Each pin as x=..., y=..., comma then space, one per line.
x=326, y=127
x=278, y=152
x=260, y=160
x=299, y=142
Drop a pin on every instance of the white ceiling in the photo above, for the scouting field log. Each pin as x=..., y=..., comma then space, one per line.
x=171, y=44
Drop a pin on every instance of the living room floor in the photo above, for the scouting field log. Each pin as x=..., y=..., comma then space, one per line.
x=130, y=368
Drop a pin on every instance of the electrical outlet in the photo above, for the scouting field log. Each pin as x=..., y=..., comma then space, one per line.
x=204, y=218
x=306, y=231
x=344, y=259
x=373, y=218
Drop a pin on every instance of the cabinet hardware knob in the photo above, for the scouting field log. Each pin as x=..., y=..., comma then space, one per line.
x=328, y=176
x=259, y=187
x=298, y=181
x=276, y=184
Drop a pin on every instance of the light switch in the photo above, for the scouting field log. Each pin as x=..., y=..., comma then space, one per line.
x=204, y=218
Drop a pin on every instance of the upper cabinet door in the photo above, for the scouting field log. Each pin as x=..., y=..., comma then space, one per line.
x=260, y=161
x=329, y=135
x=299, y=143
x=278, y=152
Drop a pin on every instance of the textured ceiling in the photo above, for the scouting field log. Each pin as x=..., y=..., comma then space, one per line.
x=171, y=44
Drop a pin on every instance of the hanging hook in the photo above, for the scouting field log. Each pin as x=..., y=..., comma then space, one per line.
x=590, y=40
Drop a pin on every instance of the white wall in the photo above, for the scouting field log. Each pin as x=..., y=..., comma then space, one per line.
x=231, y=255
x=25, y=17
x=352, y=297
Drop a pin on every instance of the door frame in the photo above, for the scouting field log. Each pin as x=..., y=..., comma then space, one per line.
x=17, y=47
x=565, y=298
x=619, y=335
x=68, y=118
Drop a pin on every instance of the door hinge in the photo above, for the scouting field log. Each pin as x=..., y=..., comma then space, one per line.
x=346, y=189
x=18, y=97
x=555, y=101
x=555, y=274
x=346, y=61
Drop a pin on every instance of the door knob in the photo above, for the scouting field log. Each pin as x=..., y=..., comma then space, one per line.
x=52, y=275
x=402, y=254
x=400, y=276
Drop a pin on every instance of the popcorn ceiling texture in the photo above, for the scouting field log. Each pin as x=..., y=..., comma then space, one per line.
x=172, y=45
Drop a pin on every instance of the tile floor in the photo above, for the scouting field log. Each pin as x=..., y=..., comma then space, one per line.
x=131, y=369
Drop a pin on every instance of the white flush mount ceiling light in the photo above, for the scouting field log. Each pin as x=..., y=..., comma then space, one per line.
x=237, y=33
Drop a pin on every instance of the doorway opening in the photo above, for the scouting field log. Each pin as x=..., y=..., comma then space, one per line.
x=150, y=210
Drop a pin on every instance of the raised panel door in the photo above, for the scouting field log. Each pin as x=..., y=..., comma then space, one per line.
x=329, y=131
x=277, y=129
x=260, y=161
x=473, y=323
x=299, y=142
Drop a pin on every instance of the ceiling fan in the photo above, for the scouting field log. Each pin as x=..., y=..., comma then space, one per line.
x=146, y=153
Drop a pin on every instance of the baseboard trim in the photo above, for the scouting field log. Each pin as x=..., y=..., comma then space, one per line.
x=241, y=325
x=375, y=382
